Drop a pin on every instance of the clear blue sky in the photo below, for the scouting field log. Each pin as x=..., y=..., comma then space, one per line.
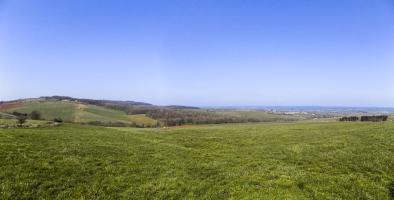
x=202, y=52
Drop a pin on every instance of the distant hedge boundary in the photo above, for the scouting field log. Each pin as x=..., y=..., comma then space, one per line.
x=373, y=118
x=118, y=124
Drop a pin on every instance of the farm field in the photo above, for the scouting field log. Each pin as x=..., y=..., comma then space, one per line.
x=238, y=161
x=49, y=109
x=79, y=113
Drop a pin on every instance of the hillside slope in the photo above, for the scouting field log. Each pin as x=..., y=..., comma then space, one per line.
x=132, y=113
x=71, y=111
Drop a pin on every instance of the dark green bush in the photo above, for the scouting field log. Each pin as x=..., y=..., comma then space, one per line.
x=21, y=119
x=58, y=119
x=35, y=115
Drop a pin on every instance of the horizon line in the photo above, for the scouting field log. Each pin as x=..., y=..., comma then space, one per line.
x=250, y=106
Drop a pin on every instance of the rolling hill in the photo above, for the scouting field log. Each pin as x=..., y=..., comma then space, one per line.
x=139, y=114
x=75, y=111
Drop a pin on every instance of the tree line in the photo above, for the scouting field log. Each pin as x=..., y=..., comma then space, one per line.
x=372, y=118
x=120, y=124
x=176, y=116
x=33, y=115
x=97, y=102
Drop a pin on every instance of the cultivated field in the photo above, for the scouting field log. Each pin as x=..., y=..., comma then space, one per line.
x=240, y=161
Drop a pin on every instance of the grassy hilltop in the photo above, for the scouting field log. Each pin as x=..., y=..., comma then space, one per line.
x=240, y=161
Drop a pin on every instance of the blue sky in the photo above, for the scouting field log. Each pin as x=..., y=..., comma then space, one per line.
x=277, y=52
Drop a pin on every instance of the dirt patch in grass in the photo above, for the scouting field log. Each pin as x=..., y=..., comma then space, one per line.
x=79, y=111
x=7, y=106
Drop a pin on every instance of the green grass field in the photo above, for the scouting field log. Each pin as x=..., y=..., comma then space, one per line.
x=76, y=112
x=238, y=161
x=49, y=109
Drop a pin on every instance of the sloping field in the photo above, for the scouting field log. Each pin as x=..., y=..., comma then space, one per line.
x=238, y=161
x=142, y=119
x=6, y=116
x=9, y=106
x=96, y=113
x=77, y=112
x=49, y=109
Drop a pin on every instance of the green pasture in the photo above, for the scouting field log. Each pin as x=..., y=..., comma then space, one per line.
x=236, y=161
x=76, y=112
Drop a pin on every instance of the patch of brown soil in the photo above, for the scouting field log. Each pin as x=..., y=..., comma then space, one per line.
x=7, y=106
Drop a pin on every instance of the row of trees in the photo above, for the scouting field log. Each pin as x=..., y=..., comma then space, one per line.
x=374, y=118
x=97, y=102
x=176, y=117
x=378, y=118
x=34, y=115
x=349, y=119
x=121, y=124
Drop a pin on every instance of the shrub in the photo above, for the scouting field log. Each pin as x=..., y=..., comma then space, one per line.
x=58, y=119
x=21, y=119
x=18, y=114
x=35, y=115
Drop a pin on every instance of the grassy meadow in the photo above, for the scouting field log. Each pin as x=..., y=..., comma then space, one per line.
x=236, y=161
x=49, y=109
x=80, y=113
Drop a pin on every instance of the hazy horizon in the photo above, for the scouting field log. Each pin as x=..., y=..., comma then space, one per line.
x=256, y=106
x=200, y=53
